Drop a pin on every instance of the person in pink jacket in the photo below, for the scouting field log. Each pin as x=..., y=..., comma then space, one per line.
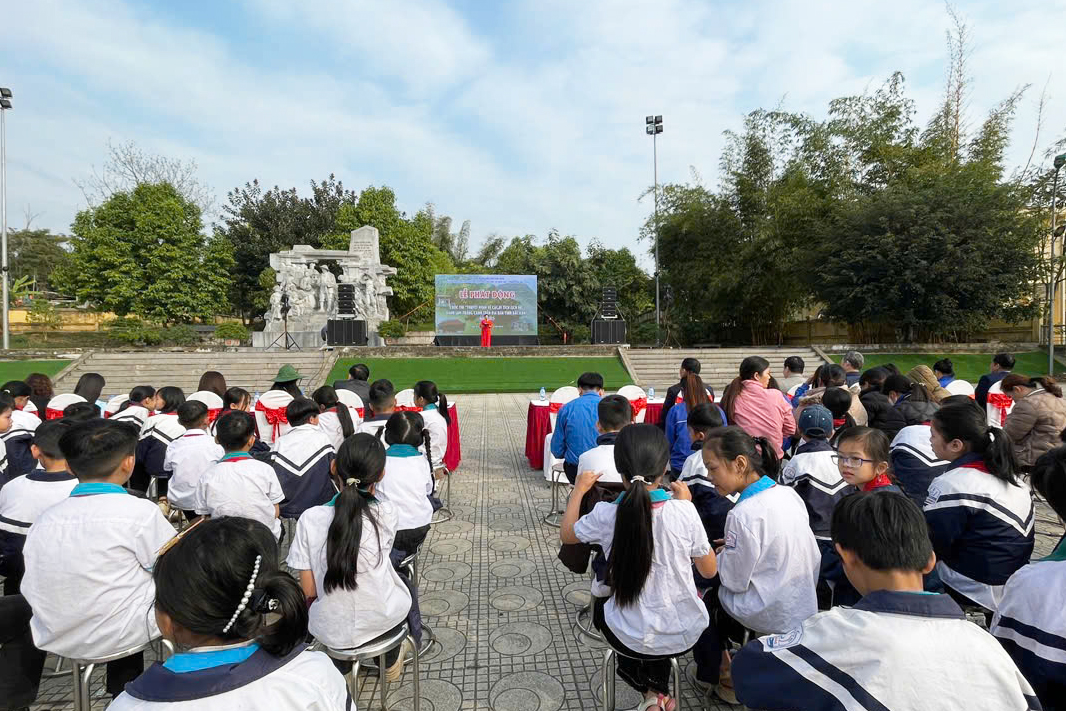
x=758, y=411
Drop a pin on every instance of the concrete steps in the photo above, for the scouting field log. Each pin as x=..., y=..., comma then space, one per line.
x=658, y=367
x=251, y=370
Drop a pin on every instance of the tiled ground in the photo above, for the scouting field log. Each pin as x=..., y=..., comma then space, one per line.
x=494, y=594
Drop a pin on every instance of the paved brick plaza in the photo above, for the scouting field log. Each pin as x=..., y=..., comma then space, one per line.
x=494, y=594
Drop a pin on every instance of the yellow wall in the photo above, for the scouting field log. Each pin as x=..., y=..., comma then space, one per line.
x=75, y=320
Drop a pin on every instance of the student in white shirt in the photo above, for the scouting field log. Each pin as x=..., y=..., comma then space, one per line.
x=189, y=456
x=382, y=401
x=335, y=419
x=26, y=498
x=239, y=484
x=89, y=557
x=302, y=459
x=18, y=438
x=408, y=480
x=712, y=506
x=768, y=563
x=435, y=414
x=613, y=413
x=140, y=405
x=240, y=624
x=651, y=542
x=898, y=648
x=1029, y=622
x=158, y=431
x=341, y=551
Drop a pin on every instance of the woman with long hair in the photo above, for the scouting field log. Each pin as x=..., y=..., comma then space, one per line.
x=42, y=391
x=336, y=419
x=651, y=542
x=677, y=434
x=980, y=513
x=1038, y=417
x=759, y=412
x=213, y=381
x=90, y=386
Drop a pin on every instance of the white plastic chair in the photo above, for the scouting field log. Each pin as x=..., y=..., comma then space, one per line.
x=212, y=400
x=274, y=400
x=353, y=402
x=62, y=402
x=114, y=404
x=405, y=398
x=560, y=397
x=960, y=387
x=632, y=393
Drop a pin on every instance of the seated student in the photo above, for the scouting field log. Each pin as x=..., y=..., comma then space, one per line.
x=912, y=404
x=81, y=411
x=239, y=484
x=435, y=414
x=813, y=473
x=24, y=499
x=980, y=514
x=18, y=438
x=408, y=480
x=241, y=400
x=712, y=506
x=240, y=623
x=335, y=419
x=7, y=406
x=358, y=375
x=873, y=400
x=382, y=402
x=768, y=565
x=270, y=408
x=89, y=388
x=614, y=412
x=944, y=371
x=158, y=432
x=189, y=456
x=677, y=423
x=837, y=401
x=138, y=407
x=912, y=461
x=1029, y=622
x=302, y=458
x=575, y=425
x=341, y=552
x=897, y=648
x=654, y=611
x=89, y=557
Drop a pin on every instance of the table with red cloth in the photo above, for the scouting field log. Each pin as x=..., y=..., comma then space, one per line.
x=539, y=426
x=454, y=455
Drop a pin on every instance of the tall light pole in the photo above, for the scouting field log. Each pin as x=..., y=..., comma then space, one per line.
x=653, y=126
x=5, y=106
x=1060, y=160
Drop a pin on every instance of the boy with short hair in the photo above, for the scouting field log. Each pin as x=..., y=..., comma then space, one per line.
x=240, y=485
x=897, y=646
x=189, y=456
x=382, y=402
x=575, y=425
x=89, y=557
x=302, y=459
x=1029, y=622
x=614, y=412
x=25, y=498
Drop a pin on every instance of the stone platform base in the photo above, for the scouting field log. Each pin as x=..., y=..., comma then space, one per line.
x=306, y=340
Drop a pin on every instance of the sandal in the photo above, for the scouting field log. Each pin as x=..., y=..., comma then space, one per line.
x=666, y=703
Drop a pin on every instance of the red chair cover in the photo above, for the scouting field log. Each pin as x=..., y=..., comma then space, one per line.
x=52, y=413
x=1001, y=402
x=638, y=406
x=554, y=407
x=275, y=417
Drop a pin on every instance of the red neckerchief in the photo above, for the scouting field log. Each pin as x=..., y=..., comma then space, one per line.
x=979, y=466
x=839, y=423
x=877, y=482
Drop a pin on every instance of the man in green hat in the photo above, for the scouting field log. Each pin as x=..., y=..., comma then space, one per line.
x=286, y=380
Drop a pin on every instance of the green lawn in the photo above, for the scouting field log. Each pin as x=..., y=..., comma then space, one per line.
x=488, y=375
x=19, y=369
x=968, y=366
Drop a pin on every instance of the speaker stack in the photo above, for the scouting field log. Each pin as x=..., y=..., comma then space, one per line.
x=609, y=327
x=346, y=329
x=346, y=301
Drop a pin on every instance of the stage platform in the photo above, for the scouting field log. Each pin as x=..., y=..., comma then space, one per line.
x=478, y=352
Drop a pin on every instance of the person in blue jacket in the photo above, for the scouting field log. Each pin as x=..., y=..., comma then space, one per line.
x=575, y=426
x=677, y=434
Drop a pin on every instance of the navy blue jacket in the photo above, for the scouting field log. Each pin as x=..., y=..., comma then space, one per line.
x=980, y=393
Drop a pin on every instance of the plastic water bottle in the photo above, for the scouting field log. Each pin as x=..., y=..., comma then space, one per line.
x=651, y=392
x=543, y=394
x=255, y=398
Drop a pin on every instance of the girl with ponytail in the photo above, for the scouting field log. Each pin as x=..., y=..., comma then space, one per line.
x=336, y=419
x=238, y=623
x=980, y=514
x=650, y=541
x=341, y=552
x=408, y=483
x=435, y=414
x=769, y=560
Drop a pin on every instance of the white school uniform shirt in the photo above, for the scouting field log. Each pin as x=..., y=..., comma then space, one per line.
x=240, y=485
x=301, y=681
x=3, y=460
x=694, y=474
x=330, y=424
x=25, y=498
x=88, y=572
x=668, y=616
x=188, y=457
x=770, y=562
x=407, y=483
x=134, y=415
x=341, y=618
x=438, y=433
x=373, y=424
x=600, y=459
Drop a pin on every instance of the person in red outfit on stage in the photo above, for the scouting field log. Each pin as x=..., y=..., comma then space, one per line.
x=486, y=331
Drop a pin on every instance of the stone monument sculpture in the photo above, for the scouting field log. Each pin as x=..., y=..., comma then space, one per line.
x=305, y=290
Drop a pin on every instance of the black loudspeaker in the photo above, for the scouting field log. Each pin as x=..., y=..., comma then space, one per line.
x=346, y=299
x=609, y=310
x=608, y=332
x=345, y=332
x=610, y=294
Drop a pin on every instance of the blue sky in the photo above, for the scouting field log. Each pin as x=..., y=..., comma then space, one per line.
x=520, y=116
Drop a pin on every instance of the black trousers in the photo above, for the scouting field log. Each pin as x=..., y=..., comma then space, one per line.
x=21, y=663
x=640, y=671
x=122, y=671
x=571, y=472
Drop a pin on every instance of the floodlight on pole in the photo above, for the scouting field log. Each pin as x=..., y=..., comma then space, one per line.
x=653, y=126
x=5, y=106
x=1060, y=160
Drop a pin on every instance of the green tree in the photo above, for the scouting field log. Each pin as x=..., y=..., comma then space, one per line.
x=618, y=268
x=142, y=252
x=36, y=254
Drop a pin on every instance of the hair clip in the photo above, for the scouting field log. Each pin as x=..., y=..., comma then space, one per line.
x=176, y=539
x=352, y=480
x=247, y=595
x=639, y=478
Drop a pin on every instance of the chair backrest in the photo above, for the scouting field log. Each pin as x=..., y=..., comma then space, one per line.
x=114, y=404
x=54, y=409
x=960, y=387
x=353, y=402
x=405, y=398
x=998, y=405
x=634, y=393
x=212, y=400
x=271, y=400
x=560, y=397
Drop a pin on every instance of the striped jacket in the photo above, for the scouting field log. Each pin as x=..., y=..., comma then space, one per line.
x=302, y=458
